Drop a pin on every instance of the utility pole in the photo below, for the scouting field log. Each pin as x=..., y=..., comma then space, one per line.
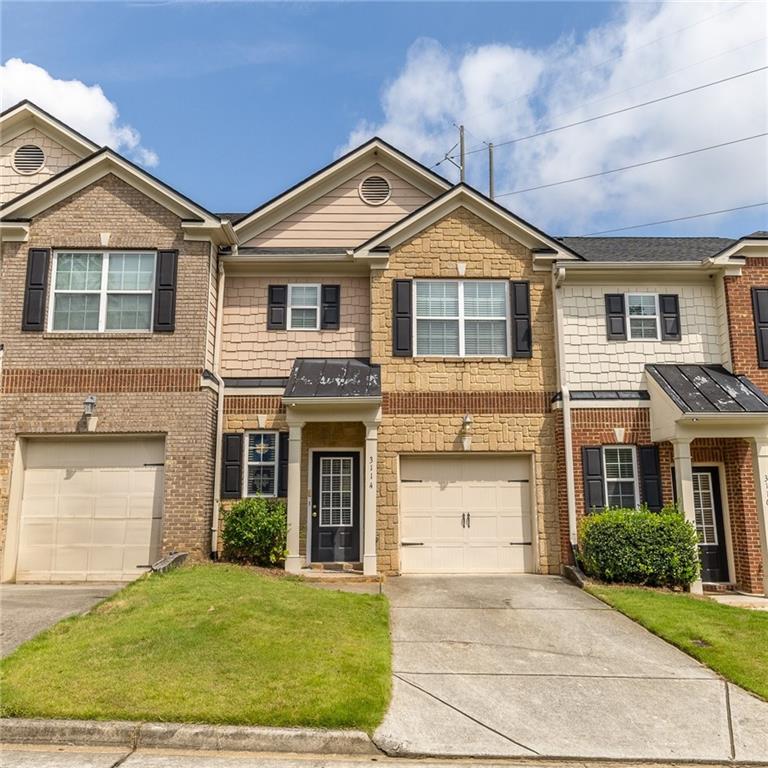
x=490, y=171
x=462, y=155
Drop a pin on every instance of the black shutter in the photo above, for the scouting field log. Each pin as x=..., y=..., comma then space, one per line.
x=615, y=319
x=520, y=307
x=277, y=309
x=33, y=318
x=330, y=307
x=650, y=477
x=669, y=305
x=594, y=489
x=402, y=318
x=165, y=291
x=282, y=465
x=760, y=311
x=232, y=465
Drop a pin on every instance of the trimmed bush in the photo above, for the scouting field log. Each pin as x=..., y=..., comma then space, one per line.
x=636, y=546
x=255, y=531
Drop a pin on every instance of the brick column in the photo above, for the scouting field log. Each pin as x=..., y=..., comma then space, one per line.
x=684, y=487
x=294, y=561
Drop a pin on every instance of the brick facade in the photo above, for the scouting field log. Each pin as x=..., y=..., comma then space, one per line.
x=145, y=383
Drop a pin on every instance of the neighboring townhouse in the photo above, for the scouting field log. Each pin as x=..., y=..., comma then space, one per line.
x=662, y=346
x=431, y=383
x=108, y=284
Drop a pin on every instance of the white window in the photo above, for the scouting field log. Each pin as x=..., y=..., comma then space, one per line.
x=457, y=318
x=303, y=307
x=643, y=316
x=620, y=471
x=102, y=291
x=261, y=464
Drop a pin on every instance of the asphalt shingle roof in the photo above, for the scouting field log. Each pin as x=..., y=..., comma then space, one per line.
x=646, y=248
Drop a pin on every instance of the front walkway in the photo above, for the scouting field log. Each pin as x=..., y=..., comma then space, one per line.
x=531, y=666
x=28, y=609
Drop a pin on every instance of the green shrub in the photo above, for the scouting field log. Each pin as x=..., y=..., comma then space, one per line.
x=636, y=546
x=255, y=531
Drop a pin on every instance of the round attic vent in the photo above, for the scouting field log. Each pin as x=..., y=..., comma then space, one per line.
x=375, y=190
x=28, y=159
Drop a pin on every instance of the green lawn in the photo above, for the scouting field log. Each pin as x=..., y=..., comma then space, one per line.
x=215, y=644
x=731, y=641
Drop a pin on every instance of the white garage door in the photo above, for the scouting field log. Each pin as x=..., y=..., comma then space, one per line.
x=465, y=514
x=91, y=509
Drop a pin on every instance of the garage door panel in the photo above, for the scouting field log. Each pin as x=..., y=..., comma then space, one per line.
x=491, y=491
x=91, y=510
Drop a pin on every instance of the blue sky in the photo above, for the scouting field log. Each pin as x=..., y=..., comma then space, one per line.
x=240, y=100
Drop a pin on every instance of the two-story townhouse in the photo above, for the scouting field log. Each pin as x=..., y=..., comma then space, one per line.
x=388, y=356
x=656, y=338
x=107, y=317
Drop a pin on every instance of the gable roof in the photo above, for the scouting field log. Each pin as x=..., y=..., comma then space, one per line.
x=666, y=249
x=374, y=151
x=94, y=167
x=463, y=195
x=22, y=116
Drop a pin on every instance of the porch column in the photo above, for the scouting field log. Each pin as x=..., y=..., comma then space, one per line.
x=684, y=488
x=760, y=472
x=294, y=561
x=369, y=478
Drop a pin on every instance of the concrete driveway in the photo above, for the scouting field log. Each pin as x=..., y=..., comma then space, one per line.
x=530, y=666
x=28, y=609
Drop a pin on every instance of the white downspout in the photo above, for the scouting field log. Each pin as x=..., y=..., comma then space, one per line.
x=219, y=412
x=558, y=278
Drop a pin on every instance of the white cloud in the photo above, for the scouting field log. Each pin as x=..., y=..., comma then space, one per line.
x=83, y=107
x=502, y=92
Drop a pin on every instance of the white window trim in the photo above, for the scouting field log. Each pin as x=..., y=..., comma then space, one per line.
x=102, y=292
x=462, y=319
x=316, y=307
x=247, y=463
x=657, y=317
x=635, y=474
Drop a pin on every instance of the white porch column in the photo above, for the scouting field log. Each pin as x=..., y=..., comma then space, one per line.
x=684, y=488
x=760, y=471
x=369, y=478
x=294, y=561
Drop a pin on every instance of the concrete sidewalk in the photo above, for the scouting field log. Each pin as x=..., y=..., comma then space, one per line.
x=28, y=609
x=529, y=666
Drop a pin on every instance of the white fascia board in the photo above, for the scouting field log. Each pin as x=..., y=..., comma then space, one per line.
x=463, y=197
x=374, y=153
x=742, y=249
x=90, y=171
x=14, y=232
x=27, y=116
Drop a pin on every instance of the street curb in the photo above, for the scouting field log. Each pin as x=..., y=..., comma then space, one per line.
x=235, y=738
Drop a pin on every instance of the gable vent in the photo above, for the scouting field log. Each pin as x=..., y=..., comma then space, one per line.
x=375, y=190
x=28, y=159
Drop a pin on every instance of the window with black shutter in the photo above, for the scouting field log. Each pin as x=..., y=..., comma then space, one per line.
x=330, y=316
x=33, y=317
x=282, y=467
x=615, y=317
x=520, y=305
x=231, y=465
x=594, y=483
x=277, y=307
x=165, y=291
x=402, y=318
x=669, y=307
x=650, y=477
x=760, y=312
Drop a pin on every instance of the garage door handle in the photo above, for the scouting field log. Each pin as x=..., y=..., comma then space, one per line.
x=469, y=521
x=520, y=543
x=463, y=521
x=412, y=543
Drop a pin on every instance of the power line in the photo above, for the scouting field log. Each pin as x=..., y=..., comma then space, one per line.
x=633, y=165
x=624, y=109
x=728, y=9
x=679, y=218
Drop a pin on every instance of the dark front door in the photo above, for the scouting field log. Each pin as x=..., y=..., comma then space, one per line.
x=708, y=506
x=335, y=507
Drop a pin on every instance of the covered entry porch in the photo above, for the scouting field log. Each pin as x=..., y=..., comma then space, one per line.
x=333, y=411
x=717, y=425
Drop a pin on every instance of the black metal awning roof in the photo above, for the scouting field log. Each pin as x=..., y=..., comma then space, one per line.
x=333, y=377
x=708, y=389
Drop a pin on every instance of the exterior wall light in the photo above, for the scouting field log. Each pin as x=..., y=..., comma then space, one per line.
x=466, y=426
x=89, y=406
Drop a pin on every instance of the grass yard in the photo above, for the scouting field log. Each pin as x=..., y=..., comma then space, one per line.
x=731, y=641
x=215, y=644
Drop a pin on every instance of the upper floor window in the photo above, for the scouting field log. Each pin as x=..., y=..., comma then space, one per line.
x=620, y=476
x=303, y=307
x=102, y=291
x=461, y=318
x=643, y=315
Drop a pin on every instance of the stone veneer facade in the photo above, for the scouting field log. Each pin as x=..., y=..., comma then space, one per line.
x=145, y=383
